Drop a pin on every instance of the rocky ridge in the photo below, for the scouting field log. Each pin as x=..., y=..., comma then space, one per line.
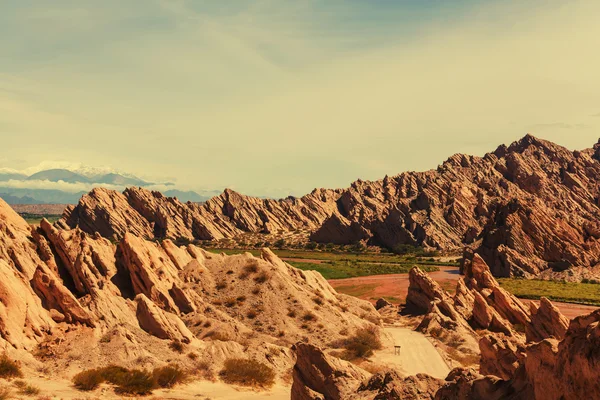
x=529, y=208
x=523, y=353
x=74, y=300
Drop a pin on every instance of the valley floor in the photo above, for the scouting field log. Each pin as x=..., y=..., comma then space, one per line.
x=394, y=288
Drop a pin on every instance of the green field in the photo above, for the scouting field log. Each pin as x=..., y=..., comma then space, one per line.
x=349, y=269
x=35, y=219
x=339, y=265
x=568, y=292
x=383, y=258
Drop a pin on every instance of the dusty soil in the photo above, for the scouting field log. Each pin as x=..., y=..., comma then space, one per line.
x=392, y=287
x=417, y=353
x=395, y=288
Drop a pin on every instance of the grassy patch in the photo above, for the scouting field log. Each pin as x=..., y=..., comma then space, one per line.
x=353, y=269
x=356, y=290
x=36, y=219
x=380, y=258
x=568, y=292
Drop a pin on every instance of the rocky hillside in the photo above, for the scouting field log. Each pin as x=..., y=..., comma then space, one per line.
x=70, y=301
x=526, y=208
x=523, y=353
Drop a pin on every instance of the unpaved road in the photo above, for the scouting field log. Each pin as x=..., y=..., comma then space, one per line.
x=417, y=354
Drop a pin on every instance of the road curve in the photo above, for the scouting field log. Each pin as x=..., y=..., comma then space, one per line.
x=417, y=353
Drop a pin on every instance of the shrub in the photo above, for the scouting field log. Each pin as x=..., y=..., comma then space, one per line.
x=262, y=277
x=192, y=356
x=169, y=376
x=230, y=302
x=308, y=316
x=136, y=382
x=291, y=314
x=114, y=374
x=362, y=343
x=251, y=314
x=220, y=285
x=9, y=368
x=88, y=380
x=247, y=373
x=279, y=243
x=177, y=346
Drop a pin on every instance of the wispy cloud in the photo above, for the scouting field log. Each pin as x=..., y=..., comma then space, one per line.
x=291, y=94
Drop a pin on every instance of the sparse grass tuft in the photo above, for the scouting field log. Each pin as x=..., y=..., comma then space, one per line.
x=248, y=373
x=9, y=368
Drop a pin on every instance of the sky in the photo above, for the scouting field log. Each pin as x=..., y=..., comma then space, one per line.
x=277, y=97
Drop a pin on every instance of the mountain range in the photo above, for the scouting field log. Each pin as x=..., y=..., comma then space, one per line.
x=37, y=188
x=530, y=208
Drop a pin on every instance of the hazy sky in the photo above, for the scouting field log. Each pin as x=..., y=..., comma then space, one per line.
x=281, y=96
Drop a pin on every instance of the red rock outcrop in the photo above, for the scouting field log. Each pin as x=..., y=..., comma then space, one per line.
x=525, y=208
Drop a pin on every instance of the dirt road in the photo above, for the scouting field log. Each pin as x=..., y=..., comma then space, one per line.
x=417, y=354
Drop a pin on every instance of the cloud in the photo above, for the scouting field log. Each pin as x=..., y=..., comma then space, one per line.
x=282, y=94
x=70, y=187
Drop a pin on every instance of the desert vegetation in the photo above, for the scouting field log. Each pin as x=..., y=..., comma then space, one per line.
x=248, y=373
x=130, y=381
x=9, y=368
x=568, y=292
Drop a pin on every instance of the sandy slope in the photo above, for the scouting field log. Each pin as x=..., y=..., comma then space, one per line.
x=417, y=354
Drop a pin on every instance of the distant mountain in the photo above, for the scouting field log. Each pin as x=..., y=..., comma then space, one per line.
x=55, y=175
x=117, y=179
x=185, y=196
x=7, y=176
x=35, y=189
x=38, y=196
x=10, y=199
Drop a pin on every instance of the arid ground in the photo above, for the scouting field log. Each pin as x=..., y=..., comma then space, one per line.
x=394, y=288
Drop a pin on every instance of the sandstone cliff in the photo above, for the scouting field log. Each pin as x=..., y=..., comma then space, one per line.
x=526, y=208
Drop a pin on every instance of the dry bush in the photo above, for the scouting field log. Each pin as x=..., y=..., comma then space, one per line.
x=177, y=346
x=136, y=382
x=88, y=380
x=251, y=314
x=262, y=277
x=247, y=373
x=256, y=291
x=230, y=302
x=309, y=316
x=362, y=343
x=318, y=300
x=192, y=356
x=169, y=376
x=221, y=284
x=9, y=368
x=291, y=314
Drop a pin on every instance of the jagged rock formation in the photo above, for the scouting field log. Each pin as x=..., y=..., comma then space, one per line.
x=525, y=208
x=78, y=300
x=482, y=317
x=318, y=376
